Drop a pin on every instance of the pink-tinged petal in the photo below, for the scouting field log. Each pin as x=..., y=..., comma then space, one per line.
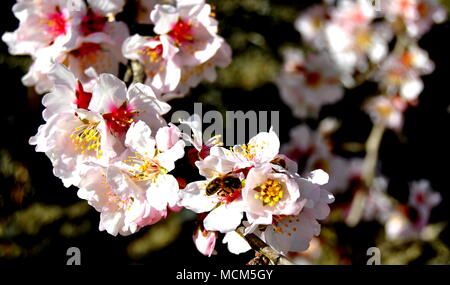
x=164, y=17
x=205, y=241
x=109, y=92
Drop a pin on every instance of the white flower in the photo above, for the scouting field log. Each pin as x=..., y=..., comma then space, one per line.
x=387, y=111
x=417, y=15
x=262, y=148
x=311, y=25
x=189, y=37
x=423, y=199
x=42, y=23
x=189, y=26
x=268, y=193
x=121, y=107
x=146, y=162
x=156, y=54
x=72, y=141
x=67, y=95
x=119, y=212
x=378, y=205
x=308, y=82
x=311, y=150
x=294, y=233
x=220, y=195
x=69, y=32
x=400, y=73
x=352, y=39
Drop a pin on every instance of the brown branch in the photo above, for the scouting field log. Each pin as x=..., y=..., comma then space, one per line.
x=262, y=248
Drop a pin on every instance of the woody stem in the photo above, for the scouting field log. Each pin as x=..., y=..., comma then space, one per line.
x=261, y=247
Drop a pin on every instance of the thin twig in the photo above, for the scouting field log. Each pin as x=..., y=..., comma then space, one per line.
x=368, y=174
x=261, y=247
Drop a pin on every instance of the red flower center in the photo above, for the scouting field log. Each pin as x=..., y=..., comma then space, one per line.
x=86, y=49
x=153, y=54
x=56, y=24
x=420, y=198
x=181, y=32
x=83, y=97
x=312, y=78
x=120, y=119
x=92, y=22
x=422, y=8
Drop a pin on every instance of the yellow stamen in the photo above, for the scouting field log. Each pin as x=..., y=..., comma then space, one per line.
x=270, y=192
x=87, y=138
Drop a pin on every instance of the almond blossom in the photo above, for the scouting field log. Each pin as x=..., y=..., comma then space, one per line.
x=400, y=73
x=387, y=111
x=205, y=241
x=423, y=199
x=156, y=54
x=310, y=149
x=225, y=208
x=192, y=76
x=69, y=32
x=294, y=232
x=307, y=82
x=268, y=193
x=255, y=180
x=353, y=40
x=91, y=128
x=189, y=41
x=311, y=24
x=417, y=15
x=42, y=23
x=144, y=166
x=188, y=25
x=119, y=212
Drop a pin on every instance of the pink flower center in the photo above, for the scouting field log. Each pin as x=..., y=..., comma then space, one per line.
x=83, y=97
x=56, y=24
x=312, y=78
x=405, y=4
x=181, y=32
x=120, y=119
x=92, y=22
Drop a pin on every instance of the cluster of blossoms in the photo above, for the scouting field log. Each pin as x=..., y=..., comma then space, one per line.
x=85, y=38
x=402, y=221
x=112, y=142
x=345, y=44
x=349, y=44
x=280, y=206
x=313, y=150
x=185, y=50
